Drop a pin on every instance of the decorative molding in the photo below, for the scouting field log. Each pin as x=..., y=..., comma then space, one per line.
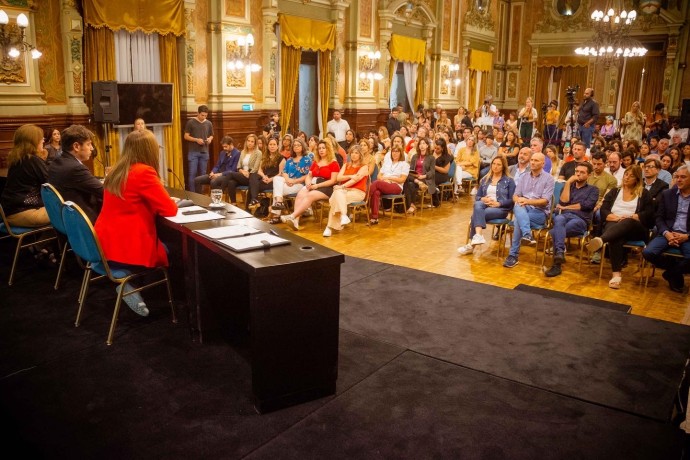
x=552, y=22
x=480, y=18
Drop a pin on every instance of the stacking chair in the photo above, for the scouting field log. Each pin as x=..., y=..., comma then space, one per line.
x=395, y=199
x=468, y=182
x=581, y=239
x=54, y=202
x=447, y=186
x=669, y=252
x=85, y=244
x=424, y=195
x=20, y=234
x=633, y=244
x=359, y=206
x=500, y=226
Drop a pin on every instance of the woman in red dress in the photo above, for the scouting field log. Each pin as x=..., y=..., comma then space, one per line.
x=133, y=197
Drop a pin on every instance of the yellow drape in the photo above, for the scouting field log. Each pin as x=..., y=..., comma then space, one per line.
x=407, y=49
x=161, y=16
x=99, y=56
x=290, y=58
x=172, y=134
x=324, y=85
x=419, y=90
x=481, y=61
x=306, y=33
x=472, y=102
x=653, y=85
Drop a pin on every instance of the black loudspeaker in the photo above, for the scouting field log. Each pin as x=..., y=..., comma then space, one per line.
x=106, y=108
x=685, y=114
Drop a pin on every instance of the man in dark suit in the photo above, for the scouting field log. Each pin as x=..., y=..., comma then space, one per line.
x=68, y=174
x=673, y=227
x=652, y=183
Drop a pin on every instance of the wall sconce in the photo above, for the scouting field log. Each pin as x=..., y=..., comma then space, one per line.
x=368, y=65
x=12, y=37
x=239, y=54
x=452, y=75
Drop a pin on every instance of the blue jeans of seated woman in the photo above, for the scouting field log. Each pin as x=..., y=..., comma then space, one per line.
x=197, y=162
x=482, y=213
x=524, y=219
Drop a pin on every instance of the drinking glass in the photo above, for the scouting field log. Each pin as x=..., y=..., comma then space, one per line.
x=216, y=196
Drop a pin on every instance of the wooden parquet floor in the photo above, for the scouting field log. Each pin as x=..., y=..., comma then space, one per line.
x=429, y=242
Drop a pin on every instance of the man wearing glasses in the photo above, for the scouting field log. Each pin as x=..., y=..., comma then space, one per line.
x=652, y=183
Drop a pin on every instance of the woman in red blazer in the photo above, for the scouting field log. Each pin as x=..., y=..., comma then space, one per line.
x=133, y=196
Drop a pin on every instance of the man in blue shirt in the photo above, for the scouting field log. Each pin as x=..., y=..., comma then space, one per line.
x=227, y=163
x=673, y=225
x=532, y=199
x=573, y=213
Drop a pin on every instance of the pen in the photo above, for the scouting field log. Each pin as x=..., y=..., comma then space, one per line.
x=273, y=232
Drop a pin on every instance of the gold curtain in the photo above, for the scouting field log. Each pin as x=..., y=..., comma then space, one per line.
x=419, y=90
x=99, y=56
x=162, y=16
x=407, y=49
x=172, y=139
x=481, y=61
x=484, y=85
x=392, y=68
x=290, y=58
x=571, y=76
x=630, y=89
x=306, y=33
x=324, y=85
x=472, y=102
x=653, y=83
x=541, y=92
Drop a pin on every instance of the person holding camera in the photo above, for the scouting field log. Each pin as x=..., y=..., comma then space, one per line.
x=587, y=116
x=272, y=128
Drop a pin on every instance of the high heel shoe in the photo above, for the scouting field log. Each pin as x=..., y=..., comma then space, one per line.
x=411, y=210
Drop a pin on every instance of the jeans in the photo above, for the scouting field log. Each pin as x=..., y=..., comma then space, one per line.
x=654, y=250
x=586, y=134
x=197, y=162
x=565, y=225
x=482, y=212
x=524, y=219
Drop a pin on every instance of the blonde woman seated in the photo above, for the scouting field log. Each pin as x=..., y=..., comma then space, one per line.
x=365, y=147
x=467, y=163
x=392, y=176
x=323, y=175
x=352, y=186
x=628, y=214
x=249, y=163
x=291, y=179
x=494, y=200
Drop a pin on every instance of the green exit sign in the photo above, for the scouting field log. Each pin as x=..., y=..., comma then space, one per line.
x=247, y=107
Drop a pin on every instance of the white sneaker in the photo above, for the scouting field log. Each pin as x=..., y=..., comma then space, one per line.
x=466, y=249
x=477, y=239
x=327, y=232
x=344, y=220
x=474, y=191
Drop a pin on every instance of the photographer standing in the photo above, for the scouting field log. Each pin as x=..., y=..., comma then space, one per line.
x=272, y=129
x=587, y=116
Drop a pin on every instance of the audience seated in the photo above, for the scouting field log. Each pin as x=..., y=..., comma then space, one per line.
x=421, y=174
x=391, y=178
x=293, y=173
x=228, y=159
x=248, y=163
x=351, y=187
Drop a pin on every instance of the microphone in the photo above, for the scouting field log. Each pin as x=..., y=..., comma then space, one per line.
x=187, y=201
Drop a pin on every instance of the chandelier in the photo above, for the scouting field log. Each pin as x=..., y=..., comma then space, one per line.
x=13, y=37
x=612, y=39
x=239, y=54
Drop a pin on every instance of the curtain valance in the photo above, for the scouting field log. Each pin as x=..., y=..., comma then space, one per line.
x=306, y=33
x=562, y=61
x=481, y=61
x=160, y=16
x=407, y=49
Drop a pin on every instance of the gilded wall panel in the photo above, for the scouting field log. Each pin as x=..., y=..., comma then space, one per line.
x=365, y=18
x=447, y=9
x=51, y=67
x=201, y=17
x=236, y=8
x=516, y=38
x=256, y=20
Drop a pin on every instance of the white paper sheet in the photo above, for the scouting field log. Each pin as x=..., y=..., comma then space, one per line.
x=187, y=219
x=227, y=231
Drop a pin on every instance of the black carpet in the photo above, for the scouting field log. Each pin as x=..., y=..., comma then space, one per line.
x=623, y=361
x=574, y=299
x=154, y=393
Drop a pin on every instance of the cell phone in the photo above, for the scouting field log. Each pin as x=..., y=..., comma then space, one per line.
x=196, y=211
x=567, y=144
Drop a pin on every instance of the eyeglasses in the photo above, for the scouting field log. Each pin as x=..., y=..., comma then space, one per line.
x=649, y=166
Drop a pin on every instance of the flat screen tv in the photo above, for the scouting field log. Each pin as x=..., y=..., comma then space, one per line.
x=150, y=101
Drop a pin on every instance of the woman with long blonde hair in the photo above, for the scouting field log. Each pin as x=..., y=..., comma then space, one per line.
x=133, y=196
x=21, y=198
x=249, y=162
x=628, y=214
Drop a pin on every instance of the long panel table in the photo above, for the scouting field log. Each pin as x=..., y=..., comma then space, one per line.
x=287, y=298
